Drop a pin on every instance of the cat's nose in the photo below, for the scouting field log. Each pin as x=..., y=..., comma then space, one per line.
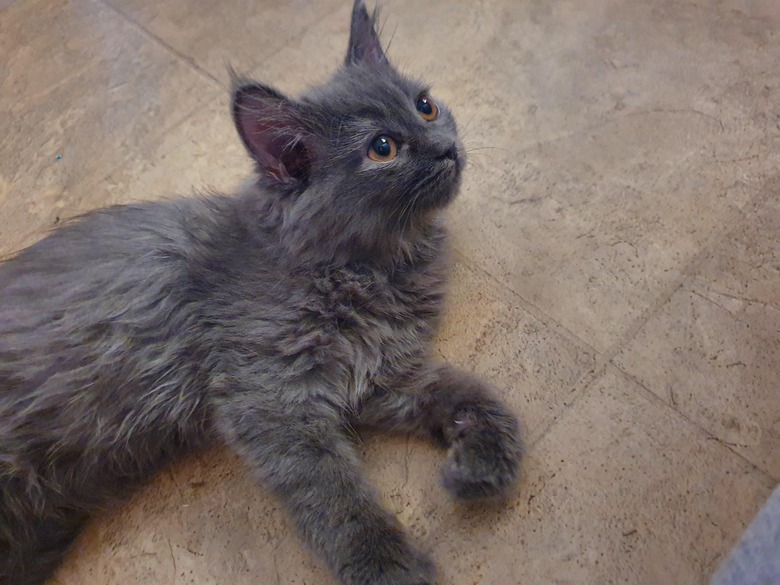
x=451, y=153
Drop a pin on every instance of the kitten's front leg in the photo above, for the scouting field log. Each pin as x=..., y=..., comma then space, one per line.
x=302, y=454
x=461, y=411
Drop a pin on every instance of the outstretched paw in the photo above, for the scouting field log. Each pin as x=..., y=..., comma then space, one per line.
x=391, y=561
x=484, y=457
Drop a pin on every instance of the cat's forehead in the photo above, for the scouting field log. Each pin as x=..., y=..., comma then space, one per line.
x=361, y=90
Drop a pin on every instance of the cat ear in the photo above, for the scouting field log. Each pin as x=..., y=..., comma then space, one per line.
x=270, y=126
x=364, y=44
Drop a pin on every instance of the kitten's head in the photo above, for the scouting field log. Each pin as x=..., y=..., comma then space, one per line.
x=370, y=151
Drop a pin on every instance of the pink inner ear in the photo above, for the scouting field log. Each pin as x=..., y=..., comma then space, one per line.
x=270, y=133
x=373, y=53
x=262, y=137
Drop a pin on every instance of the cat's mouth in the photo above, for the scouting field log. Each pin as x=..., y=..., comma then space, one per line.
x=453, y=165
x=435, y=190
x=453, y=158
x=441, y=187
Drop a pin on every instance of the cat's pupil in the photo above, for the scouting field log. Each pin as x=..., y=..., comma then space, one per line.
x=382, y=146
x=424, y=107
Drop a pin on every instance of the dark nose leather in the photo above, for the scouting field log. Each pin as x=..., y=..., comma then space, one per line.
x=451, y=153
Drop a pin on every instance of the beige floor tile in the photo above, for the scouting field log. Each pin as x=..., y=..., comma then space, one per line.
x=713, y=351
x=310, y=59
x=591, y=244
x=202, y=154
x=82, y=90
x=535, y=366
x=548, y=71
x=241, y=33
x=746, y=265
x=604, y=154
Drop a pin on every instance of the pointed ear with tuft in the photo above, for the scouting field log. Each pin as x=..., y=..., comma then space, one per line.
x=271, y=128
x=364, y=44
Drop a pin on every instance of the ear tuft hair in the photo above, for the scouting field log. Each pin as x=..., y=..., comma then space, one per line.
x=364, y=44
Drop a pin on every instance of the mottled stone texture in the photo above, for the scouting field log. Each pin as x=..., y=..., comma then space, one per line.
x=617, y=275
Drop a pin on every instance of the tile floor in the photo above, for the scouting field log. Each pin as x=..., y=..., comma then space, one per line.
x=618, y=262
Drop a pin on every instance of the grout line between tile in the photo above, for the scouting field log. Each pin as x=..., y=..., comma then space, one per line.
x=528, y=305
x=653, y=397
x=584, y=381
x=127, y=157
x=589, y=380
x=170, y=49
x=251, y=69
x=688, y=272
x=686, y=277
x=73, y=209
x=581, y=387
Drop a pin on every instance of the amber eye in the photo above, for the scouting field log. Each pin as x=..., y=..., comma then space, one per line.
x=427, y=108
x=382, y=149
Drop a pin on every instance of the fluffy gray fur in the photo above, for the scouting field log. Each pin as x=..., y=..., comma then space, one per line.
x=274, y=320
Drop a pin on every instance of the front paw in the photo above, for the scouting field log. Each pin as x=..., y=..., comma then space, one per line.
x=484, y=457
x=388, y=563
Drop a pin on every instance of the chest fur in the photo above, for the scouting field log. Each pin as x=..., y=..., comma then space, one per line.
x=337, y=332
x=377, y=326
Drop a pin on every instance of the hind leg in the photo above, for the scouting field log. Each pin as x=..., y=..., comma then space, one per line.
x=34, y=533
x=44, y=505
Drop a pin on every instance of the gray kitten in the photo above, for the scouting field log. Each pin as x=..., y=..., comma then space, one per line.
x=274, y=321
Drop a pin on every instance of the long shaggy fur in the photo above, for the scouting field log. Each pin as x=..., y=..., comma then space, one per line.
x=273, y=320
